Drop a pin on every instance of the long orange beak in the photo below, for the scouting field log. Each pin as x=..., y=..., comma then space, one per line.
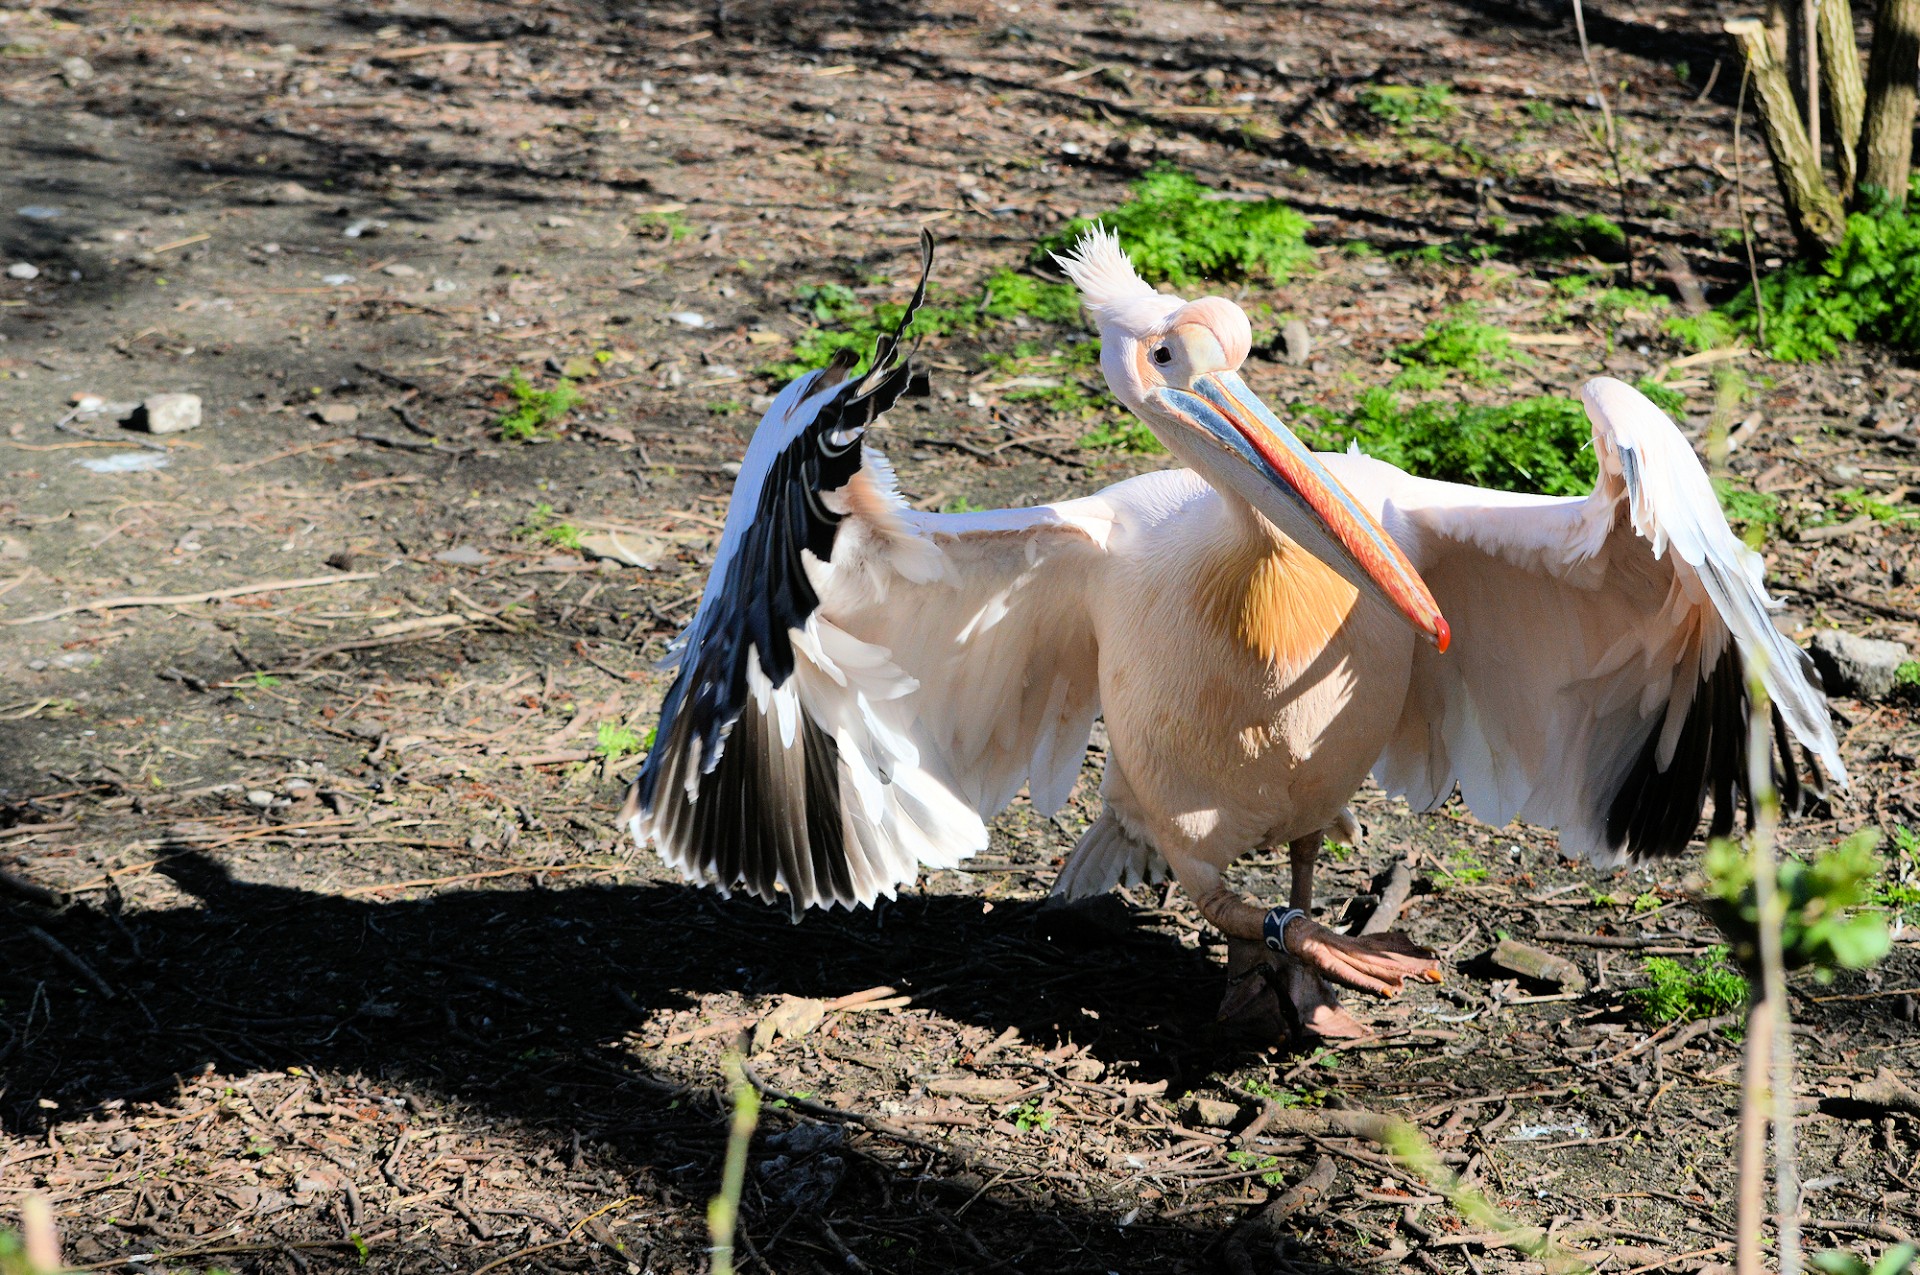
x=1285, y=481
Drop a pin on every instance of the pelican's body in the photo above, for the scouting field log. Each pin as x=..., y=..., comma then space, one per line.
x=864, y=684
x=1246, y=686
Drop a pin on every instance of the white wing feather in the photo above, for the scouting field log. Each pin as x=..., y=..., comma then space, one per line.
x=1579, y=624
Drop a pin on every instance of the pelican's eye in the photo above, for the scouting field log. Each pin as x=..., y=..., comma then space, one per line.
x=1162, y=355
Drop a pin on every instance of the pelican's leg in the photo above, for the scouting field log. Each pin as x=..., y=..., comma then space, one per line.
x=1260, y=978
x=1305, y=955
x=1315, y=1002
x=1372, y=963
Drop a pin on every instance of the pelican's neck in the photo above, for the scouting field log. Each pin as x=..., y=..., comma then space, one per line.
x=1265, y=593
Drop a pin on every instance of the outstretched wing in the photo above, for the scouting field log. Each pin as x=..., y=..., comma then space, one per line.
x=862, y=684
x=1597, y=679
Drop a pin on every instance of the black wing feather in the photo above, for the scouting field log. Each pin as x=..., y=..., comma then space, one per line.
x=1654, y=812
x=724, y=798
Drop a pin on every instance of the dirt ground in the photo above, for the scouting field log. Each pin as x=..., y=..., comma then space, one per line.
x=319, y=947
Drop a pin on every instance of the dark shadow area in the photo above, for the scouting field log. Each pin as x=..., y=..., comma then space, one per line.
x=516, y=1003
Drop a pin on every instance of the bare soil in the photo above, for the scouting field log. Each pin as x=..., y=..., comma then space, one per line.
x=319, y=946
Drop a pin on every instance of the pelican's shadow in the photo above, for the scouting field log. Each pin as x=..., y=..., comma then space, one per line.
x=519, y=1002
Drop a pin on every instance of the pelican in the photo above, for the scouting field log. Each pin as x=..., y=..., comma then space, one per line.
x=863, y=685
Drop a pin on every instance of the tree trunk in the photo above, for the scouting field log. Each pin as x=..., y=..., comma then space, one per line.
x=1812, y=210
x=1840, y=59
x=1892, y=69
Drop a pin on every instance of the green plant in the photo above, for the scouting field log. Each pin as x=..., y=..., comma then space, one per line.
x=543, y=527
x=1009, y=295
x=727, y=407
x=961, y=505
x=1822, y=927
x=1457, y=345
x=1266, y=1166
x=1851, y=502
x=1707, y=330
x=616, y=740
x=1868, y=286
x=1611, y=305
x=1279, y=1097
x=1676, y=992
x=723, y=1210
x=671, y=226
x=1664, y=397
x=35, y=1248
x=1754, y=514
x=1404, y=105
x=1410, y=1148
x=1897, y=1259
x=532, y=412
x=1545, y=114
x=1464, y=870
x=1178, y=230
x=1059, y=380
x=1123, y=433
x=1566, y=235
x=850, y=324
x=1532, y=444
x=1898, y=889
x=1030, y=1117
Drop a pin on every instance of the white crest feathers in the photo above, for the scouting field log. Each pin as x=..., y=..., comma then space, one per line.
x=1099, y=267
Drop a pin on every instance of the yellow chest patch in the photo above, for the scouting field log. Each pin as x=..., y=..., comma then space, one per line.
x=1277, y=601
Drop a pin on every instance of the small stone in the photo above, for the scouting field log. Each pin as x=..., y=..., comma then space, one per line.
x=365, y=228
x=399, y=270
x=1531, y=962
x=791, y=1019
x=290, y=192
x=23, y=270
x=445, y=285
x=167, y=413
x=611, y=431
x=632, y=548
x=685, y=318
x=76, y=70
x=479, y=234
x=1299, y=342
x=40, y=212
x=463, y=556
x=299, y=789
x=1212, y=1113
x=1854, y=666
x=38, y=666
x=336, y=280
x=12, y=549
x=260, y=799
x=124, y=462
x=555, y=221
x=337, y=413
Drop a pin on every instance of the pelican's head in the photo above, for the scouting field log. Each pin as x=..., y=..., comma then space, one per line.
x=1175, y=364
